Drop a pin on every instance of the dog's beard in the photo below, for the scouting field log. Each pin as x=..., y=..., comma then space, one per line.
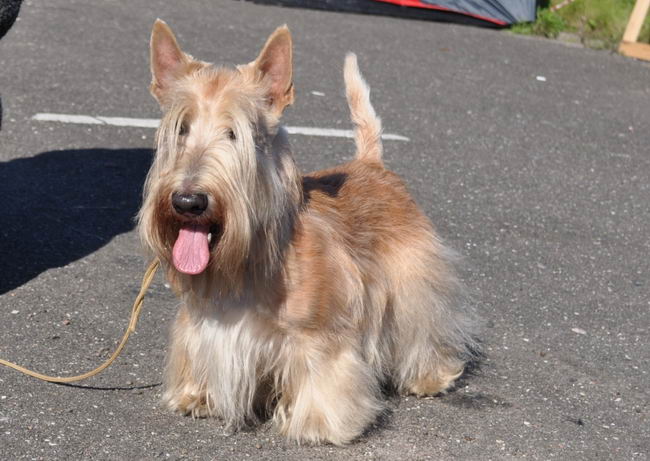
x=207, y=255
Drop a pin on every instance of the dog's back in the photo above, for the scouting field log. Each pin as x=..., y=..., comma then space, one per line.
x=370, y=205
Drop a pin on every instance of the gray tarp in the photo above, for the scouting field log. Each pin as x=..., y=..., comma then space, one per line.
x=508, y=11
x=490, y=13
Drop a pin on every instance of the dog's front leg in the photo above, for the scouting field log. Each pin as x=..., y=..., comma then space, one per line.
x=182, y=393
x=328, y=396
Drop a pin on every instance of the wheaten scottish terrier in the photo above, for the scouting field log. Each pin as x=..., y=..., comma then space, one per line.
x=300, y=295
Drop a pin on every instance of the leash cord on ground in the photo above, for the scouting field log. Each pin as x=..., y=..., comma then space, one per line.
x=135, y=314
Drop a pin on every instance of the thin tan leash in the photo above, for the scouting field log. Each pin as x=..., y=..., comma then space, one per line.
x=135, y=314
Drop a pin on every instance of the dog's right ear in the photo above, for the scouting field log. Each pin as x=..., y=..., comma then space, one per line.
x=168, y=62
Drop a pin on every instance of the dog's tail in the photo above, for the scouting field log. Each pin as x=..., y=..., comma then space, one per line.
x=367, y=131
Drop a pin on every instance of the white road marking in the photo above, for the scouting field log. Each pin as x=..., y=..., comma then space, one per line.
x=335, y=133
x=89, y=120
x=153, y=123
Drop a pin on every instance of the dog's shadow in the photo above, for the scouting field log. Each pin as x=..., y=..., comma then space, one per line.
x=60, y=206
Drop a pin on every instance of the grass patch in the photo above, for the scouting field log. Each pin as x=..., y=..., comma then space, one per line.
x=598, y=23
x=548, y=23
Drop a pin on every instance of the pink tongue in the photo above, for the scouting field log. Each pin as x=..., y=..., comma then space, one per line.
x=191, y=253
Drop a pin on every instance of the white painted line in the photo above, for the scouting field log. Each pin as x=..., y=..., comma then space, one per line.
x=153, y=123
x=335, y=133
x=88, y=120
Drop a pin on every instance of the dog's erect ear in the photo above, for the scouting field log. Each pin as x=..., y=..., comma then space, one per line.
x=167, y=60
x=275, y=65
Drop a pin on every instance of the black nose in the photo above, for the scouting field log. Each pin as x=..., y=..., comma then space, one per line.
x=190, y=203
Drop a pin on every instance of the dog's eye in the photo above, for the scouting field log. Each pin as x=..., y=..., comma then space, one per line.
x=184, y=129
x=231, y=135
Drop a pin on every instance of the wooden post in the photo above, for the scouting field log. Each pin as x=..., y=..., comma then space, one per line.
x=629, y=46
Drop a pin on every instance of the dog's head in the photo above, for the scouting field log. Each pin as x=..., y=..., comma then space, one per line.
x=223, y=181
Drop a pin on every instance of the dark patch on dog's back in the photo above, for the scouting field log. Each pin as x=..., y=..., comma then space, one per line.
x=329, y=184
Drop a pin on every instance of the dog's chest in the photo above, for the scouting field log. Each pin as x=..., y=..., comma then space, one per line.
x=234, y=339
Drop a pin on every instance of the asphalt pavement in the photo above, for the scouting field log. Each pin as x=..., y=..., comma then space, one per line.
x=531, y=157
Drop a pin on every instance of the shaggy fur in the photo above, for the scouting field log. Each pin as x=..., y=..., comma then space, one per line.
x=319, y=288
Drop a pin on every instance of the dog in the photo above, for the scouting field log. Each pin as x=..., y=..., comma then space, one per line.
x=301, y=296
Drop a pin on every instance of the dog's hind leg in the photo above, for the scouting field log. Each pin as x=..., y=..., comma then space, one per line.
x=433, y=328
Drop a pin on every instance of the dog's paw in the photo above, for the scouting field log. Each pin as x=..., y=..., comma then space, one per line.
x=189, y=404
x=433, y=384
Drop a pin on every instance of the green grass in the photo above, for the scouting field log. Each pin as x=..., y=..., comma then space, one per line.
x=548, y=24
x=593, y=21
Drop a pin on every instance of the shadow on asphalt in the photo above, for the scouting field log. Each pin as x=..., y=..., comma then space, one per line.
x=60, y=206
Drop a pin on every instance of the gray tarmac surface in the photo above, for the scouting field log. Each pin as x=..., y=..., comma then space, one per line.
x=541, y=185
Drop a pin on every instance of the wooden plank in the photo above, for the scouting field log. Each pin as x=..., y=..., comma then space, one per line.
x=636, y=20
x=635, y=50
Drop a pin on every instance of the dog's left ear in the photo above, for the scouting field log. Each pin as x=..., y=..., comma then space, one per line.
x=275, y=66
x=168, y=62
